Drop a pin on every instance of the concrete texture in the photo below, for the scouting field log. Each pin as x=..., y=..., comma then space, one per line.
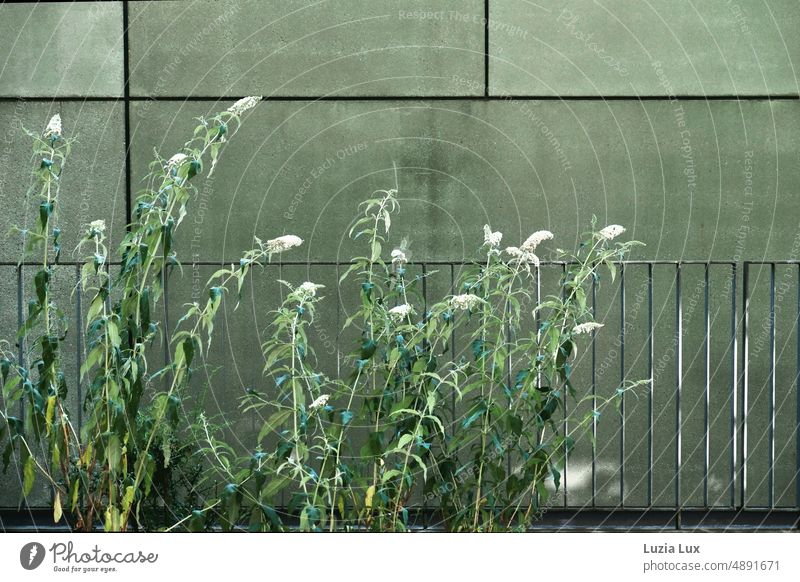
x=59, y=49
x=64, y=280
x=691, y=179
x=93, y=184
x=361, y=47
x=625, y=47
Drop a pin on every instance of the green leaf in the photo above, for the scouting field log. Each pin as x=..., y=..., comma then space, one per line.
x=272, y=424
x=41, y=282
x=613, y=269
x=73, y=503
x=113, y=333
x=113, y=452
x=5, y=367
x=515, y=424
x=391, y=474
x=45, y=212
x=347, y=416
x=405, y=440
x=556, y=477
x=369, y=496
x=431, y=402
x=50, y=413
x=57, y=511
x=28, y=475
x=127, y=501
x=422, y=465
x=188, y=349
x=476, y=413
x=376, y=251
x=274, y=486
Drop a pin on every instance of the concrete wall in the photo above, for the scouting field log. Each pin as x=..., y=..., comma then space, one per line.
x=678, y=119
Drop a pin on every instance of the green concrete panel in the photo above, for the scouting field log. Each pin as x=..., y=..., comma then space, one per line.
x=787, y=464
x=235, y=362
x=691, y=179
x=722, y=384
x=651, y=166
x=10, y=482
x=664, y=390
x=361, y=47
x=626, y=47
x=633, y=336
x=64, y=280
x=607, y=378
x=771, y=456
x=93, y=184
x=61, y=49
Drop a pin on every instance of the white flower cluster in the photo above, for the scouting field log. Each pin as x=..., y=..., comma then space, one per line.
x=244, y=104
x=401, y=311
x=522, y=257
x=282, y=243
x=525, y=255
x=588, y=327
x=176, y=160
x=535, y=240
x=53, y=128
x=491, y=239
x=320, y=402
x=399, y=257
x=465, y=301
x=98, y=226
x=309, y=289
x=612, y=231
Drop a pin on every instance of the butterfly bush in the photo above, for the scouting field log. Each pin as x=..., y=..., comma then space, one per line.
x=460, y=408
x=379, y=444
x=105, y=470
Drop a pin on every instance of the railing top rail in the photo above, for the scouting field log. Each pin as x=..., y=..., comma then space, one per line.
x=473, y=262
x=329, y=263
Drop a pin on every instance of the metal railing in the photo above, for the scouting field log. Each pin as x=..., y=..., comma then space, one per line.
x=715, y=442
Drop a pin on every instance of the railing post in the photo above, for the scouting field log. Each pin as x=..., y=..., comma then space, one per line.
x=744, y=380
x=678, y=387
x=734, y=380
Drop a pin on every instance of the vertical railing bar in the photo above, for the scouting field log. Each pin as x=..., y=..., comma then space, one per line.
x=622, y=382
x=538, y=317
x=535, y=494
x=745, y=384
x=79, y=348
x=165, y=295
x=771, y=471
x=594, y=395
x=797, y=396
x=566, y=399
x=678, y=386
x=424, y=269
x=453, y=344
x=734, y=382
x=338, y=323
x=20, y=320
x=650, y=365
x=707, y=403
x=282, y=278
